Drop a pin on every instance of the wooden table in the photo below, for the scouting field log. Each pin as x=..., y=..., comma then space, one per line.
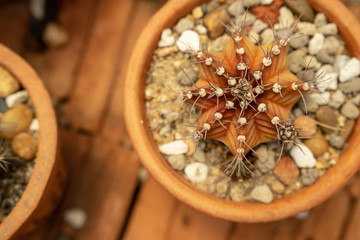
x=85, y=79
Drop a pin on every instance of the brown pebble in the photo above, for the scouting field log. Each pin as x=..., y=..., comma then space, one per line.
x=326, y=115
x=214, y=26
x=307, y=124
x=318, y=144
x=15, y=120
x=24, y=146
x=287, y=171
x=347, y=130
x=8, y=83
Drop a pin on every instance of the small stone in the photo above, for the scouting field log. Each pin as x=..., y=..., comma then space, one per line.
x=222, y=188
x=310, y=62
x=299, y=40
x=237, y=192
x=34, y=125
x=266, y=2
x=351, y=86
x=201, y=29
x=259, y=26
x=307, y=75
x=308, y=176
x=307, y=28
x=262, y=153
x=286, y=17
x=76, y=217
x=303, y=156
x=320, y=20
x=262, y=194
x=174, y=148
x=16, y=98
x=324, y=57
x=183, y=24
x=177, y=162
x=254, y=37
x=219, y=43
x=188, y=41
x=8, y=83
x=267, y=36
x=16, y=120
x=24, y=146
x=356, y=100
x=196, y=172
x=336, y=141
x=327, y=116
x=350, y=70
x=236, y=8
x=318, y=144
x=337, y=99
x=331, y=45
x=302, y=215
x=307, y=125
x=325, y=80
x=328, y=29
x=187, y=78
x=277, y=187
x=251, y=3
x=347, y=130
x=320, y=98
x=55, y=35
x=162, y=52
x=350, y=111
x=301, y=7
x=340, y=62
x=197, y=12
x=295, y=60
x=167, y=39
x=268, y=164
x=246, y=19
x=316, y=43
x=287, y=171
x=311, y=105
x=3, y=106
x=215, y=27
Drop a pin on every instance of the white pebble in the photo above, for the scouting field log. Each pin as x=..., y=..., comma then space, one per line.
x=76, y=217
x=16, y=98
x=262, y=194
x=266, y=2
x=189, y=40
x=174, y=148
x=303, y=156
x=321, y=98
x=34, y=125
x=167, y=39
x=201, y=29
x=196, y=172
x=350, y=70
x=316, y=43
x=326, y=81
x=286, y=17
x=340, y=62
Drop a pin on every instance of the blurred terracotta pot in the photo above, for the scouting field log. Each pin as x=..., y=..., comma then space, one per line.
x=46, y=182
x=302, y=200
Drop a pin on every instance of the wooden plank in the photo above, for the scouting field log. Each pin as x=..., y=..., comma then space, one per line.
x=152, y=213
x=114, y=126
x=90, y=94
x=353, y=229
x=57, y=67
x=14, y=17
x=326, y=221
x=187, y=223
x=106, y=190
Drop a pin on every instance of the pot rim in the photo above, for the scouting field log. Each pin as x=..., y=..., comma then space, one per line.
x=47, y=147
x=328, y=184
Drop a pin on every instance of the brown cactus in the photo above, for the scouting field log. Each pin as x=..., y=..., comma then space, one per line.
x=245, y=95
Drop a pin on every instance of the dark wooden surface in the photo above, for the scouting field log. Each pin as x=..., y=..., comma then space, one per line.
x=85, y=79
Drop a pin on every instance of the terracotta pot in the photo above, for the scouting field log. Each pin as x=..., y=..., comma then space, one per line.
x=46, y=183
x=302, y=200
